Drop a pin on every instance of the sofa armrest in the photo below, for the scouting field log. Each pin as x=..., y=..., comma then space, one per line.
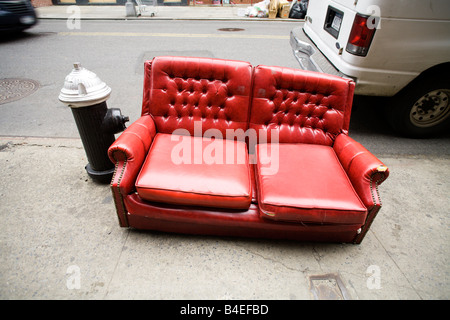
x=128, y=153
x=364, y=170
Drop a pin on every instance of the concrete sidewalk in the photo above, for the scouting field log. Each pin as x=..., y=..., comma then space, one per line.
x=60, y=239
x=226, y=12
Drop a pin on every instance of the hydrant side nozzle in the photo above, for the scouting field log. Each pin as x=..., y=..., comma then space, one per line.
x=114, y=121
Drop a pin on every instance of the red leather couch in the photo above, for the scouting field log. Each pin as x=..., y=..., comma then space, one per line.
x=225, y=148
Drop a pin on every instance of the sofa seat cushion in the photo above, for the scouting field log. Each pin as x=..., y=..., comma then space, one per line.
x=186, y=170
x=305, y=183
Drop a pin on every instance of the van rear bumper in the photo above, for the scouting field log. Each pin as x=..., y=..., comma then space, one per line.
x=369, y=81
x=308, y=56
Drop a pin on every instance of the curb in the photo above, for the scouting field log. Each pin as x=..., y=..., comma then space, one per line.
x=288, y=20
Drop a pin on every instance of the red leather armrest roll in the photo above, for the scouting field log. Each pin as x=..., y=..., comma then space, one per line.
x=365, y=170
x=129, y=151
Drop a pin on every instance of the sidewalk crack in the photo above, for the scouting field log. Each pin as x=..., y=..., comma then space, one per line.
x=317, y=257
x=274, y=260
x=117, y=264
x=395, y=263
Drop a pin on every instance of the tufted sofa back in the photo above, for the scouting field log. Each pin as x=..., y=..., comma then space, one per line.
x=302, y=106
x=181, y=91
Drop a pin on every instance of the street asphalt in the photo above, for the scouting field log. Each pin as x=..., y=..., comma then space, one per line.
x=60, y=237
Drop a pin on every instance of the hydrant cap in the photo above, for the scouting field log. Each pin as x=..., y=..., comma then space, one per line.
x=83, y=88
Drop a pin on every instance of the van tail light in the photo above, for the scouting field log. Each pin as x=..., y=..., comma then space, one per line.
x=360, y=37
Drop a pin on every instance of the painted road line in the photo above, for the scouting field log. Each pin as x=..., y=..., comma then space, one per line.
x=173, y=35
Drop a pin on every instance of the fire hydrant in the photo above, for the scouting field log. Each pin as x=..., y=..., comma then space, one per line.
x=86, y=95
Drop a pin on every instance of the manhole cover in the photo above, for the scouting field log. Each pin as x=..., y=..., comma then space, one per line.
x=15, y=89
x=231, y=29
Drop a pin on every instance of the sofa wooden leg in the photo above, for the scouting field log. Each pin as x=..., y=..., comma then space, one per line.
x=370, y=217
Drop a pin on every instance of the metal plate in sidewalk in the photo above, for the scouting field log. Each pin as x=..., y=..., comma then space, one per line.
x=15, y=89
x=328, y=287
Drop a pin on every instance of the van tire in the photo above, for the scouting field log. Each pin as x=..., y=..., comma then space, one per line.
x=422, y=109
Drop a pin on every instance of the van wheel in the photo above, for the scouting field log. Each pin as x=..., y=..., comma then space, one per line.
x=422, y=109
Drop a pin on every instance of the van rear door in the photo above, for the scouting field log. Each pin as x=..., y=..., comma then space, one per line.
x=328, y=24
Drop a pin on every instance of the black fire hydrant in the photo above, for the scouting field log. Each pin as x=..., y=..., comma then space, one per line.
x=86, y=95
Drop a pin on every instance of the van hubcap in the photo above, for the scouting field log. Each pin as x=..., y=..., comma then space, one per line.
x=431, y=109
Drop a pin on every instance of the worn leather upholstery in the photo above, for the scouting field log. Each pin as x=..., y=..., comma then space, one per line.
x=301, y=106
x=308, y=111
x=324, y=187
x=229, y=222
x=179, y=91
x=362, y=167
x=203, y=178
x=310, y=185
x=128, y=153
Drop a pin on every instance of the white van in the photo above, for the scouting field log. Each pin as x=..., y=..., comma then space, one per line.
x=393, y=48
